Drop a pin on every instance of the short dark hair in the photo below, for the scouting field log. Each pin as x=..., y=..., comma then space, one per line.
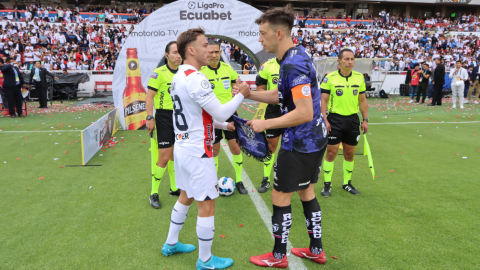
x=416, y=65
x=458, y=61
x=340, y=55
x=278, y=16
x=167, y=48
x=186, y=37
x=213, y=42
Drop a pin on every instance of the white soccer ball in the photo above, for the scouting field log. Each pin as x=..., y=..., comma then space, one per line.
x=226, y=186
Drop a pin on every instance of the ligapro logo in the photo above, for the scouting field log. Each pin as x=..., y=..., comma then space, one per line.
x=193, y=5
x=205, y=15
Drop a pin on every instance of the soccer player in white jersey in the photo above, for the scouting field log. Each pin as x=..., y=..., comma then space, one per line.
x=195, y=108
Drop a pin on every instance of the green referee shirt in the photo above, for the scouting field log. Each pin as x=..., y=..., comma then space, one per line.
x=221, y=79
x=268, y=74
x=343, y=92
x=160, y=82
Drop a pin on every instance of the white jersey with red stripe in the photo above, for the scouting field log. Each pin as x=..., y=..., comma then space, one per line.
x=194, y=131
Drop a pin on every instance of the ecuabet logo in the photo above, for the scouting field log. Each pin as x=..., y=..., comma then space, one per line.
x=208, y=15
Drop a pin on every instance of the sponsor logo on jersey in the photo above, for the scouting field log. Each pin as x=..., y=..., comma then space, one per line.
x=179, y=137
x=325, y=80
x=339, y=92
x=207, y=94
x=261, y=68
x=275, y=80
x=355, y=92
x=163, y=143
x=154, y=75
x=306, y=90
x=212, y=85
x=226, y=84
x=300, y=79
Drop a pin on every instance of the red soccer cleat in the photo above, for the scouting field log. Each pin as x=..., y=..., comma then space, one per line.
x=267, y=260
x=305, y=253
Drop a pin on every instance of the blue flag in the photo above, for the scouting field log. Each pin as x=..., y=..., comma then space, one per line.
x=252, y=143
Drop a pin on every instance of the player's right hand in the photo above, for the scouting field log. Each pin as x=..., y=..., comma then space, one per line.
x=150, y=125
x=329, y=128
x=231, y=126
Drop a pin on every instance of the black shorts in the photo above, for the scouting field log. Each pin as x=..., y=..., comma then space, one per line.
x=295, y=171
x=345, y=129
x=164, y=126
x=229, y=135
x=273, y=111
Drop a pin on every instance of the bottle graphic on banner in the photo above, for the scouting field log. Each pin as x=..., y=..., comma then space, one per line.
x=134, y=95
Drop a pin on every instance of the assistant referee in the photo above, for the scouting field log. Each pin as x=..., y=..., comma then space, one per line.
x=267, y=79
x=343, y=91
x=159, y=95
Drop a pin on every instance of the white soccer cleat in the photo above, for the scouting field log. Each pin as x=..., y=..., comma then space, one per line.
x=454, y=106
x=411, y=101
x=476, y=102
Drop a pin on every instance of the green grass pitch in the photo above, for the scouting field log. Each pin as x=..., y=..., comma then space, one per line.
x=420, y=212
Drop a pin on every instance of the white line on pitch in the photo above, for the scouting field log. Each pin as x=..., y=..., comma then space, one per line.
x=407, y=123
x=294, y=262
x=36, y=131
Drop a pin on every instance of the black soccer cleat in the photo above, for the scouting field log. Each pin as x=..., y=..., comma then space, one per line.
x=241, y=188
x=154, y=201
x=175, y=193
x=264, y=186
x=327, y=189
x=351, y=189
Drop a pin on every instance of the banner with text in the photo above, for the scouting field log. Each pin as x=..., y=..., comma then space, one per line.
x=145, y=46
x=97, y=134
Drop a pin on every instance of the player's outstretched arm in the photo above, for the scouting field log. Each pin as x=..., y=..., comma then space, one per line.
x=303, y=113
x=221, y=112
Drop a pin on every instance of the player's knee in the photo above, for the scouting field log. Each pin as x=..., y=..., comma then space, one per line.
x=331, y=155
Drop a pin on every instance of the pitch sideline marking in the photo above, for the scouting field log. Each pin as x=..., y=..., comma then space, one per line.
x=294, y=262
x=406, y=123
x=35, y=131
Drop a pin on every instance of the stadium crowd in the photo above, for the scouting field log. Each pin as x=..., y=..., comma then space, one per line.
x=456, y=22
x=75, y=46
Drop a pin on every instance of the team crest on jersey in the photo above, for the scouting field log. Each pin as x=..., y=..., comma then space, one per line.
x=213, y=86
x=204, y=84
x=339, y=92
x=275, y=80
x=325, y=80
x=355, y=92
x=226, y=84
x=154, y=75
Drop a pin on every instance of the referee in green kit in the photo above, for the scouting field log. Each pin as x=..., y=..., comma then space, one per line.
x=343, y=91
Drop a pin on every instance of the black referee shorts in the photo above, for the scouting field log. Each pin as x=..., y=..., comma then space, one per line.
x=295, y=171
x=164, y=126
x=273, y=111
x=345, y=129
x=229, y=135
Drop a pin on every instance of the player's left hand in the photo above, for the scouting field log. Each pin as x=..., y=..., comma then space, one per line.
x=257, y=125
x=364, y=126
x=231, y=126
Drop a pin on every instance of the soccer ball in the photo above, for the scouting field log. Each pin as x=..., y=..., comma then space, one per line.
x=226, y=186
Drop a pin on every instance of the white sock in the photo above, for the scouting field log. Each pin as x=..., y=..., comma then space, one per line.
x=205, y=232
x=179, y=214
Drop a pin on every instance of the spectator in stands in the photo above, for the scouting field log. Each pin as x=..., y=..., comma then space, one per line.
x=60, y=13
x=305, y=12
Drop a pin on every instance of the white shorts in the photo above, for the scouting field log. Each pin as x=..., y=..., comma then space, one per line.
x=196, y=176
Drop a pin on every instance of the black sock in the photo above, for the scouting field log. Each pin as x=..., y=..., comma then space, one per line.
x=313, y=219
x=281, y=223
